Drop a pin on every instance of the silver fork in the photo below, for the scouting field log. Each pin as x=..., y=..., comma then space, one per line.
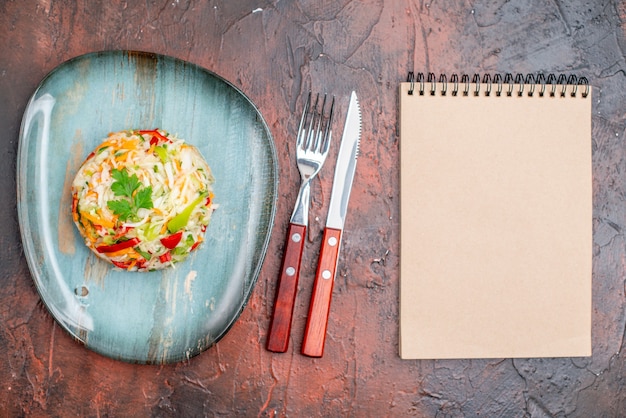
x=312, y=145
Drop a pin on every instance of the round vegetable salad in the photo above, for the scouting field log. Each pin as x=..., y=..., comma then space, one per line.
x=143, y=199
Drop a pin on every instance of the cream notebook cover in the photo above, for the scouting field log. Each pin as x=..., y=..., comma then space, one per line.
x=496, y=220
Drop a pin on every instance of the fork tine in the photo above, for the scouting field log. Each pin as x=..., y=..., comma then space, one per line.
x=327, y=128
x=316, y=145
x=310, y=134
x=305, y=110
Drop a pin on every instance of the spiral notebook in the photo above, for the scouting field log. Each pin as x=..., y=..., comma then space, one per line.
x=496, y=217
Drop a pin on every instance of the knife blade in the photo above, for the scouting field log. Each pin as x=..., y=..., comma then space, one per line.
x=319, y=306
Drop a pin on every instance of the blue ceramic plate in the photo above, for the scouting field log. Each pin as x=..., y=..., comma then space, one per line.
x=156, y=317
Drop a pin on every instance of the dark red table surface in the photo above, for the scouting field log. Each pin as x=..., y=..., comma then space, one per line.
x=275, y=51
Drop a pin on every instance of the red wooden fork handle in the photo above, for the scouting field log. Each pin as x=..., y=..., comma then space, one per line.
x=280, y=327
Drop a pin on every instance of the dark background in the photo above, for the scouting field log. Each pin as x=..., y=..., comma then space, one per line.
x=275, y=51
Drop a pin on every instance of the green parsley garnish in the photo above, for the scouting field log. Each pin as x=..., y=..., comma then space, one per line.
x=134, y=195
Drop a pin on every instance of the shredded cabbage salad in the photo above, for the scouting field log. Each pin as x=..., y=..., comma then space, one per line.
x=143, y=199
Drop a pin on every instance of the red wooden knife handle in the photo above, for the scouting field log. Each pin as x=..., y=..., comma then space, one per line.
x=319, y=308
x=280, y=326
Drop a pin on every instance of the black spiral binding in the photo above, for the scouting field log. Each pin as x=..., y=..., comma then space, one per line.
x=551, y=85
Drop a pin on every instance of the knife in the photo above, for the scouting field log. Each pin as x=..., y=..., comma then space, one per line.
x=319, y=307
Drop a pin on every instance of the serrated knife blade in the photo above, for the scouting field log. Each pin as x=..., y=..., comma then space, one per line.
x=319, y=306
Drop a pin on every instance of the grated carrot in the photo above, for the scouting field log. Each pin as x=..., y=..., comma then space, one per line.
x=130, y=144
x=97, y=220
x=126, y=251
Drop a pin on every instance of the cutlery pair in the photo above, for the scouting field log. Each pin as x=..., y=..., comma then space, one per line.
x=312, y=145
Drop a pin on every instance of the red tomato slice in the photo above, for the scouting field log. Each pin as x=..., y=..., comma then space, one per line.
x=120, y=265
x=164, y=258
x=172, y=241
x=119, y=246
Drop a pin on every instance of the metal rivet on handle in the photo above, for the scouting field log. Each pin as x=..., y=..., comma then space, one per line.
x=290, y=271
x=332, y=241
x=326, y=274
x=296, y=237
